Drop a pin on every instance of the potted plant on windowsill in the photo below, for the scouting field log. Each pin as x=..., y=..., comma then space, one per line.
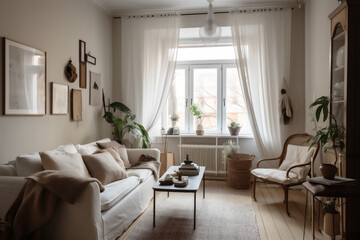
x=330, y=137
x=174, y=118
x=234, y=128
x=196, y=112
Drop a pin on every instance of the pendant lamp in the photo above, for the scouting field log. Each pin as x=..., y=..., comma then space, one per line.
x=210, y=32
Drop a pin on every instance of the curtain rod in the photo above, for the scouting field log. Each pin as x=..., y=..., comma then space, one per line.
x=263, y=9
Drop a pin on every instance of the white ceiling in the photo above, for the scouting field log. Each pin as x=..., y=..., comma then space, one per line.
x=121, y=7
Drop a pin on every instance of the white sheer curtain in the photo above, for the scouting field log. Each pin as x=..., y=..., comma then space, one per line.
x=149, y=50
x=262, y=48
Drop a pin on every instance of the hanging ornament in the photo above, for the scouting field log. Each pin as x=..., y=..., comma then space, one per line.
x=210, y=32
x=285, y=105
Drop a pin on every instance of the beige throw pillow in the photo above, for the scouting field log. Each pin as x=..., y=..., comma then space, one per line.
x=63, y=161
x=109, y=144
x=124, y=156
x=104, y=167
x=114, y=154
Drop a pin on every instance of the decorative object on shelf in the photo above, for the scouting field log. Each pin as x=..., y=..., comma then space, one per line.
x=170, y=131
x=234, y=128
x=70, y=72
x=210, y=32
x=330, y=137
x=174, y=118
x=90, y=59
x=95, y=89
x=338, y=91
x=176, y=131
x=163, y=131
x=340, y=57
x=196, y=112
x=25, y=79
x=76, y=110
x=285, y=105
x=59, y=99
x=188, y=168
x=238, y=166
x=126, y=130
x=82, y=64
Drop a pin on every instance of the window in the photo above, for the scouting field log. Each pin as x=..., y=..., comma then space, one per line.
x=206, y=76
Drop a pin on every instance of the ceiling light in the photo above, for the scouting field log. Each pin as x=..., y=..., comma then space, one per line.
x=210, y=32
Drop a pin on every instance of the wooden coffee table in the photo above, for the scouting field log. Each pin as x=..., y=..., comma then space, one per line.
x=192, y=187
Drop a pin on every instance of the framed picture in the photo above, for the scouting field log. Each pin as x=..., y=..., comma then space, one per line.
x=59, y=98
x=76, y=105
x=95, y=89
x=82, y=52
x=90, y=59
x=25, y=79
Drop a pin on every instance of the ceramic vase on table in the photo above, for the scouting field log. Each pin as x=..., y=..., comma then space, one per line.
x=200, y=129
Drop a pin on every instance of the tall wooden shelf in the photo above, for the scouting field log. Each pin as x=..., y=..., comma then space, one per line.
x=345, y=104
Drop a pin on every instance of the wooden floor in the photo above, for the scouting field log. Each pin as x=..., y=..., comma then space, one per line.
x=271, y=217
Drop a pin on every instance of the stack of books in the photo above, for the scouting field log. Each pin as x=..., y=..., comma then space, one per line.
x=191, y=169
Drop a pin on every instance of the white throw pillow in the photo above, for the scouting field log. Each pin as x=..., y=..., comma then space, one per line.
x=296, y=155
x=90, y=148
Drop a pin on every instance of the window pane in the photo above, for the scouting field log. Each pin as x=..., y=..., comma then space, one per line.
x=235, y=105
x=205, y=95
x=206, y=53
x=176, y=102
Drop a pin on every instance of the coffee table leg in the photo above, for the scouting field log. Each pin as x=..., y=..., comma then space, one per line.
x=194, y=210
x=154, y=210
x=204, y=186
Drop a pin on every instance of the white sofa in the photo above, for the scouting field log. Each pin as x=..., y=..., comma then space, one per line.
x=95, y=215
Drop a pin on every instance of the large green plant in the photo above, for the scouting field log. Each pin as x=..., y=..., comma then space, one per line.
x=332, y=136
x=125, y=123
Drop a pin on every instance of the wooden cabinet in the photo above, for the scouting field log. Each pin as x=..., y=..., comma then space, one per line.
x=345, y=98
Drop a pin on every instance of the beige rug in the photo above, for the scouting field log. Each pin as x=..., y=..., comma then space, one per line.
x=224, y=214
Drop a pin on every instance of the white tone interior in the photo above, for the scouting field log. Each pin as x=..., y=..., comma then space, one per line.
x=117, y=7
x=56, y=27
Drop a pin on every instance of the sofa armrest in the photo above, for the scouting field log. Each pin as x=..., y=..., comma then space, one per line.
x=81, y=220
x=10, y=187
x=135, y=153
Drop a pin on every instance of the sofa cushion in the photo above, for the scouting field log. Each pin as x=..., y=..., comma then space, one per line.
x=104, y=167
x=90, y=148
x=124, y=156
x=275, y=175
x=142, y=174
x=7, y=170
x=116, y=191
x=108, y=144
x=68, y=162
x=115, y=155
x=29, y=164
x=296, y=155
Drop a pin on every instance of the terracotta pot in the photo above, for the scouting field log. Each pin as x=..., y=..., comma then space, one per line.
x=200, y=132
x=328, y=171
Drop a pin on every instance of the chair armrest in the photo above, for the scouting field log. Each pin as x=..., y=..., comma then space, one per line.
x=135, y=153
x=10, y=187
x=295, y=166
x=266, y=159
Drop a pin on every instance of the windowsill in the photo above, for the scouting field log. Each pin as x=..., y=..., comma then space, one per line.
x=206, y=135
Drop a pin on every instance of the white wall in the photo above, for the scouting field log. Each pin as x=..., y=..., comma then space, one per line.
x=56, y=26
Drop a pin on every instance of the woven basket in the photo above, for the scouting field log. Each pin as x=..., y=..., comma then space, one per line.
x=238, y=171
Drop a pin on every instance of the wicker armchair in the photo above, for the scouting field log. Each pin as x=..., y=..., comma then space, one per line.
x=295, y=163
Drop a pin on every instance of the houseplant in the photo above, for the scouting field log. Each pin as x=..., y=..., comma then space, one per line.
x=196, y=112
x=330, y=137
x=238, y=166
x=174, y=118
x=234, y=128
x=126, y=130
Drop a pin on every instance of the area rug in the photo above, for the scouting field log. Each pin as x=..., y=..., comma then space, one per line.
x=225, y=213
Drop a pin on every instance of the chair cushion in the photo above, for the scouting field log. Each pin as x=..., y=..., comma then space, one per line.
x=142, y=174
x=296, y=155
x=90, y=148
x=275, y=175
x=116, y=191
x=104, y=167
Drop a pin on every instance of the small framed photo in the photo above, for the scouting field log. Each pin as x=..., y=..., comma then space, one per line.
x=90, y=59
x=76, y=97
x=82, y=51
x=59, y=99
x=25, y=79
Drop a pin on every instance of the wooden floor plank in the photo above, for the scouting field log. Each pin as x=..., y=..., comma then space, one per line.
x=259, y=222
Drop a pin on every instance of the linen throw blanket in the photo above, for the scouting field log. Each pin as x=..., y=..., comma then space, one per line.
x=37, y=200
x=148, y=162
